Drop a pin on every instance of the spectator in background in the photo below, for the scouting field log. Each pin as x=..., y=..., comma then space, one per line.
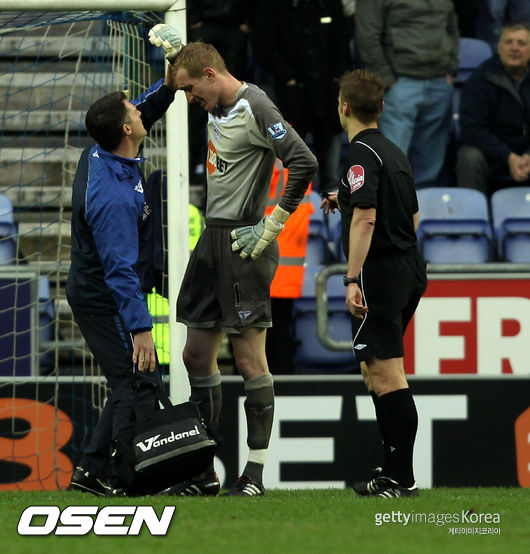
x=413, y=46
x=465, y=13
x=304, y=45
x=348, y=7
x=225, y=24
x=495, y=117
x=491, y=15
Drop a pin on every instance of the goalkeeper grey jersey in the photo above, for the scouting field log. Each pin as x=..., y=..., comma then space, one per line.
x=244, y=139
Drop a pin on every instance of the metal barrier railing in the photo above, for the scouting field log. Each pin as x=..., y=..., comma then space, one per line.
x=514, y=270
x=322, y=307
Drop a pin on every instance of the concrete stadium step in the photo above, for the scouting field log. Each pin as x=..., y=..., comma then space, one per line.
x=38, y=229
x=37, y=120
x=40, y=198
x=57, y=91
x=78, y=44
x=29, y=172
x=35, y=167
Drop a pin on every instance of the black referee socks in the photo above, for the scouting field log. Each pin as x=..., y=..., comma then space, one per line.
x=387, y=461
x=401, y=423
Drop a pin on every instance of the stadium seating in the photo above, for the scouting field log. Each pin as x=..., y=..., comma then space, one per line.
x=7, y=224
x=317, y=250
x=8, y=231
x=317, y=241
x=311, y=356
x=510, y=209
x=455, y=121
x=7, y=250
x=454, y=225
x=335, y=236
x=472, y=52
x=317, y=223
x=46, y=324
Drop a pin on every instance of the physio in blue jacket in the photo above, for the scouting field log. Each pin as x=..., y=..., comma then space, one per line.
x=110, y=227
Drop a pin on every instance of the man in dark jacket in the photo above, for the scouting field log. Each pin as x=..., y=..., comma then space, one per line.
x=495, y=117
x=109, y=228
x=304, y=45
x=412, y=45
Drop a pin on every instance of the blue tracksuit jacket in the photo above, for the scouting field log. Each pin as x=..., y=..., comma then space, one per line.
x=110, y=225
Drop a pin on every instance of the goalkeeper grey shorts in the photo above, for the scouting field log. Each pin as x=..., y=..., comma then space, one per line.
x=392, y=286
x=220, y=289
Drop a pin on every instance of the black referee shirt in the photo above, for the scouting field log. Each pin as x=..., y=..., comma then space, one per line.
x=378, y=175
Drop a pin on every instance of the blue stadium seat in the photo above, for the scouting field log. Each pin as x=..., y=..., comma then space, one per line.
x=8, y=231
x=510, y=209
x=7, y=250
x=455, y=121
x=472, y=52
x=311, y=356
x=7, y=224
x=317, y=252
x=317, y=222
x=454, y=225
x=46, y=324
x=335, y=236
x=317, y=241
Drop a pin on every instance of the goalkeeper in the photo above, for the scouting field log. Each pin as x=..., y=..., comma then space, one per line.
x=227, y=281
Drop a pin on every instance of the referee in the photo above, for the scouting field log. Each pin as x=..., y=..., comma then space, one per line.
x=386, y=274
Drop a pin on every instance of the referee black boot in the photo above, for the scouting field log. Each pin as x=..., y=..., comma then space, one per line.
x=372, y=486
x=395, y=490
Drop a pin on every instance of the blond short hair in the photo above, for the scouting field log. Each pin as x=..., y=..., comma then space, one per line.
x=195, y=56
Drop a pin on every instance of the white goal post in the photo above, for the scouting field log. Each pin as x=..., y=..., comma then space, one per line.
x=177, y=160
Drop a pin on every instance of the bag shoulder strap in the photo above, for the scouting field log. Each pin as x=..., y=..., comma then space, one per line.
x=159, y=394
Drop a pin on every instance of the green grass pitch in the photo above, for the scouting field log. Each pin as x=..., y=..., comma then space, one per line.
x=291, y=522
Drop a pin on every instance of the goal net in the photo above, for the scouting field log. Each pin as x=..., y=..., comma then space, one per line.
x=53, y=66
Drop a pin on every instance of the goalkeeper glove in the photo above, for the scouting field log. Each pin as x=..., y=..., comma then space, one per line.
x=253, y=239
x=168, y=38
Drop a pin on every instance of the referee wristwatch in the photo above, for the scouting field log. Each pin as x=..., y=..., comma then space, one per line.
x=350, y=280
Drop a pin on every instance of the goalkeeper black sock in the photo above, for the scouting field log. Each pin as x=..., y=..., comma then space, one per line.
x=401, y=423
x=259, y=409
x=387, y=461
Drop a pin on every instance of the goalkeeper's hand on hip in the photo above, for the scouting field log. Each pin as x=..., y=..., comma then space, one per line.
x=253, y=239
x=168, y=38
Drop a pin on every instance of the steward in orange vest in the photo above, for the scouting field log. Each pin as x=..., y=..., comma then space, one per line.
x=287, y=282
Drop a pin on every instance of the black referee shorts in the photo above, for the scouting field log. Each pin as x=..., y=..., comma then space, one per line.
x=392, y=287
